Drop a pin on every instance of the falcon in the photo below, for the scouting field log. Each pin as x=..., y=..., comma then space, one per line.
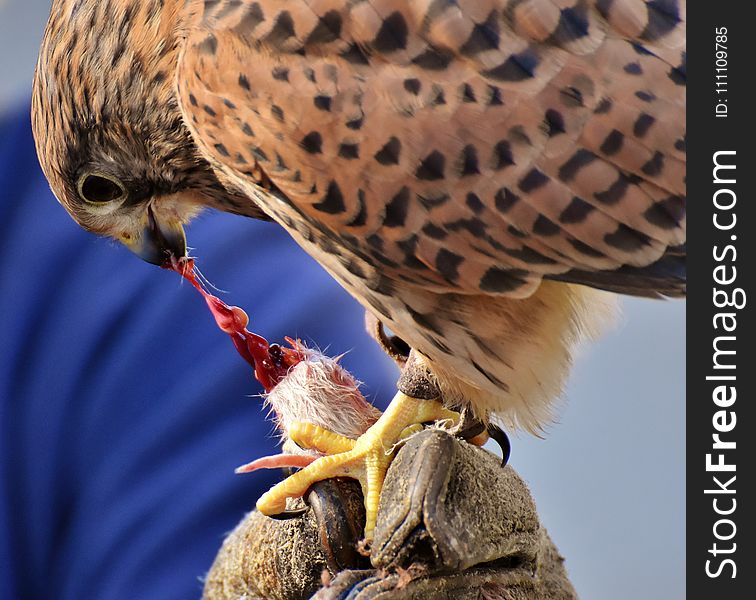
x=472, y=171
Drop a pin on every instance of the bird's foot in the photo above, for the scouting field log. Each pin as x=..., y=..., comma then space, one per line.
x=366, y=459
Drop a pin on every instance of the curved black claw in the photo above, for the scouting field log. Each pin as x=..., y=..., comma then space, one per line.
x=293, y=513
x=470, y=429
x=470, y=426
x=391, y=343
x=500, y=437
x=289, y=514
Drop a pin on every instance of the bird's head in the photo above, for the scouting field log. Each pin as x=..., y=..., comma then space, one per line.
x=109, y=132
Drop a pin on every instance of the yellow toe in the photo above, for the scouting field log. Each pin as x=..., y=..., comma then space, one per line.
x=307, y=435
x=366, y=459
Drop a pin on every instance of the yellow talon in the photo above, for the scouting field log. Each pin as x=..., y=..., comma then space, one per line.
x=366, y=459
x=307, y=435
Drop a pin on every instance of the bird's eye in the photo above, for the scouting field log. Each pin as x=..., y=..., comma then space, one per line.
x=97, y=188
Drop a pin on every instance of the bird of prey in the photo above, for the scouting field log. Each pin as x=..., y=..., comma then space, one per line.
x=472, y=171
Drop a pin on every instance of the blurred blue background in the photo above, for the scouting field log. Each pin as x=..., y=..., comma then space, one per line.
x=90, y=336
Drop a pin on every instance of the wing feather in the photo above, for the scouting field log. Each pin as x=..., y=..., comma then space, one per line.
x=471, y=145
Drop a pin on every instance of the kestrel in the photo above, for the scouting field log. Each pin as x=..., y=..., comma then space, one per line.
x=469, y=170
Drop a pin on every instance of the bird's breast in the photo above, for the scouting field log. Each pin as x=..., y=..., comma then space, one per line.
x=501, y=356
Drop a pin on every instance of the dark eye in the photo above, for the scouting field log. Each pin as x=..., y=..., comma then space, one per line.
x=99, y=189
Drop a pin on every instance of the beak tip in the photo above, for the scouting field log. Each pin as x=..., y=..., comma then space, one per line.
x=160, y=243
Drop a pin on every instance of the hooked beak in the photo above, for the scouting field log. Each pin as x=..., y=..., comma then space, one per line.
x=159, y=242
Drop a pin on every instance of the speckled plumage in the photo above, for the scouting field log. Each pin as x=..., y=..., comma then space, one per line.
x=457, y=165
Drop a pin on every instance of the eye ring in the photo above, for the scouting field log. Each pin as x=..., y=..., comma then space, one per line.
x=99, y=189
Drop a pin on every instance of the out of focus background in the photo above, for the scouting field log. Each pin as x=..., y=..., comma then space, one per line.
x=609, y=477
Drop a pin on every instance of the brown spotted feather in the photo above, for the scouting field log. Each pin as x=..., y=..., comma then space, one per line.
x=435, y=156
x=444, y=160
x=454, y=139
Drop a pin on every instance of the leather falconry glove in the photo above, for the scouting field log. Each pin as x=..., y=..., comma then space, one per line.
x=452, y=523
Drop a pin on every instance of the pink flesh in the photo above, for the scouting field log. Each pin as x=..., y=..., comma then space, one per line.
x=278, y=461
x=269, y=367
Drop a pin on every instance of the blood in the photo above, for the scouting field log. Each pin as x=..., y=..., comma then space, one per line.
x=271, y=362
